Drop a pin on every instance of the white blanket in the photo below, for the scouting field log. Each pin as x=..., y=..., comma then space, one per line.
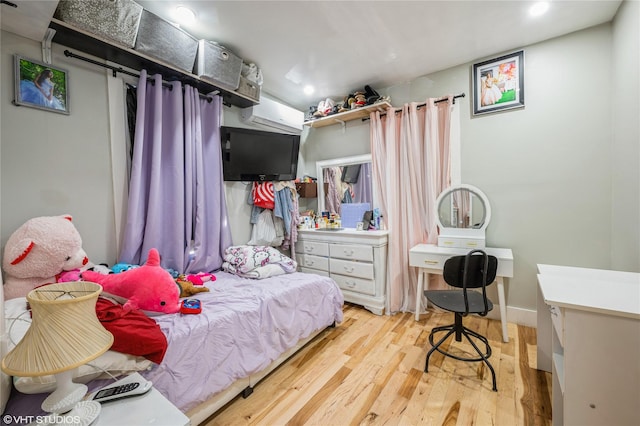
x=256, y=262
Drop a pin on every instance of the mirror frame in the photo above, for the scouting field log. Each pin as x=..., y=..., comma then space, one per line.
x=343, y=161
x=446, y=231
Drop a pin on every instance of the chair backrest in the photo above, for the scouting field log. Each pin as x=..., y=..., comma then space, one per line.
x=473, y=264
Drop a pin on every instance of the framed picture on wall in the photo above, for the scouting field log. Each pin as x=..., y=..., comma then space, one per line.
x=41, y=86
x=498, y=84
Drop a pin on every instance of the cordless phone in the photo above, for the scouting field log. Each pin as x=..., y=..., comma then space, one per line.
x=132, y=385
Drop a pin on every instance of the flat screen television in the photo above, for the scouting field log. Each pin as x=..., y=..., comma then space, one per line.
x=350, y=173
x=256, y=155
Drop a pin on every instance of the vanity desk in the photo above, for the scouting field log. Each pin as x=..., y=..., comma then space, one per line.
x=430, y=258
x=356, y=260
x=462, y=213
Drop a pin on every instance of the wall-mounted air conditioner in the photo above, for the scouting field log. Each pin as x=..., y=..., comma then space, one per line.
x=274, y=114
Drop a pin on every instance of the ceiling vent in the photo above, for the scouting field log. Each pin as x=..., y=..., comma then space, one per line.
x=274, y=114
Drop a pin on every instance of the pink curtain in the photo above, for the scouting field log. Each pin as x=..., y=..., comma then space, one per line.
x=410, y=152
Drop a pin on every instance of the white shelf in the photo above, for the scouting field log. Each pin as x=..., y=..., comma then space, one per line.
x=558, y=368
x=354, y=114
x=86, y=42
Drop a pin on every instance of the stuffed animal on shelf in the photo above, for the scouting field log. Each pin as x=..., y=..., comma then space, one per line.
x=38, y=251
x=149, y=287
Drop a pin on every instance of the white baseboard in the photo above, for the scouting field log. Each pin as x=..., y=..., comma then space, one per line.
x=520, y=316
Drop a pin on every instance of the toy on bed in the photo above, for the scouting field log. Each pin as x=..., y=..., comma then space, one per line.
x=149, y=288
x=187, y=288
x=38, y=251
x=122, y=267
x=200, y=278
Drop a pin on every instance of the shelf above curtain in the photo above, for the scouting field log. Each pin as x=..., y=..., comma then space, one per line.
x=354, y=114
x=94, y=45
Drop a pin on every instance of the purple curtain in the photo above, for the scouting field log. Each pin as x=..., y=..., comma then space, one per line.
x=176, y=201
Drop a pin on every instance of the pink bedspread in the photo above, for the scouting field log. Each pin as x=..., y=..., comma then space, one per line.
x=245, y=324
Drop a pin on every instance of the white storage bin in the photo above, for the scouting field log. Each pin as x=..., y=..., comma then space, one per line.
x=160, y=39
x=218, y=65
x=115, y=20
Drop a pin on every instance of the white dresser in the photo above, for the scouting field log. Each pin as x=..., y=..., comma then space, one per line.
x=356, y=260
x=589, y=338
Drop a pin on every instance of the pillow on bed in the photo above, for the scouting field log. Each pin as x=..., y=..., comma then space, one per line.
x=17, y=322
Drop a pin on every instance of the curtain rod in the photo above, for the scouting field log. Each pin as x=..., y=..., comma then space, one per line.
x=461, y=95
x=121, y=70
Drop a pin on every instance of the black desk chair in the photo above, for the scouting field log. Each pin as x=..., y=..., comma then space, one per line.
x=475, y=270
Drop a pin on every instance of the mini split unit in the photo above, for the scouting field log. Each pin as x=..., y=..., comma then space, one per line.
x=274, y=114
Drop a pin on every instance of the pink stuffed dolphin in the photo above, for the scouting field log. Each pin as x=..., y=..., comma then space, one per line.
x=150, y=287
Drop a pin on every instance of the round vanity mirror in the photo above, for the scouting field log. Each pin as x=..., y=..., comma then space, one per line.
x=463, y=206
x=463, y=214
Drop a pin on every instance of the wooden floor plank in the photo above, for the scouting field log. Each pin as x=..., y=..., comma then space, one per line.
x=369, y=370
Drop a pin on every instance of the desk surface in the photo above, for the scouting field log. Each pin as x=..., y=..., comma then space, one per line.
x=500, y=253
x=421, y=251
x=597, y=290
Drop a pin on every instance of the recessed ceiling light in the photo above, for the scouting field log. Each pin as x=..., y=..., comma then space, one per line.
x=184, y=15
x=309, y=89
x=539, y=8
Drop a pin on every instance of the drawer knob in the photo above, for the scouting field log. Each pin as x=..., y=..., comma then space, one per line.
x=348, y=269
x=348, y=252
x=431, y=262
x=308, y=262
x=350, y=284
x=308, y=249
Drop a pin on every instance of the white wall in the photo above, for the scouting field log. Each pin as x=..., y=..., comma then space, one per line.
x=548, y=169
x=53, y=163
x=625, y=72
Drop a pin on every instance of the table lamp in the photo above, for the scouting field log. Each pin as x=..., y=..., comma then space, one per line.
x=64, y=334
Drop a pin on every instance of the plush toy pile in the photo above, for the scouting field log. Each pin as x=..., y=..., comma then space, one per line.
x=40, y=250
x=48, y=249
x=149, y=288
x=356, y=99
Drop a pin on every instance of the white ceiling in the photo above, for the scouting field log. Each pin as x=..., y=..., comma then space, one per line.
x=30, y=19
x=339, y=46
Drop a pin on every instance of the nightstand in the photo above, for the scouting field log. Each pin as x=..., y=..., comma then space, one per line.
x=149, y=408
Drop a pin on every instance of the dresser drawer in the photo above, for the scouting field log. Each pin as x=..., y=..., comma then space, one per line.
x=314, y=262
x=314, y=271
x=312, y=247
x=351, y=251
x=358, y=285
x=428, y=260
x=354, y=269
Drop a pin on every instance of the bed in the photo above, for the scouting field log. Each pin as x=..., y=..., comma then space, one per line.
x=246, y=329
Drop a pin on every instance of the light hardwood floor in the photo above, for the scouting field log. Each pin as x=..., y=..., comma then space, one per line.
x=369, y=370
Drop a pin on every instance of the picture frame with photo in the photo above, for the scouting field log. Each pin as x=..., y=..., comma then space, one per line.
x=42, y=86
x=498, y=84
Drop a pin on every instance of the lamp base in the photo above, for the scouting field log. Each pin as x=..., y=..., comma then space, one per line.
x=83, y=414
x=64, y=398
x=86, y=412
